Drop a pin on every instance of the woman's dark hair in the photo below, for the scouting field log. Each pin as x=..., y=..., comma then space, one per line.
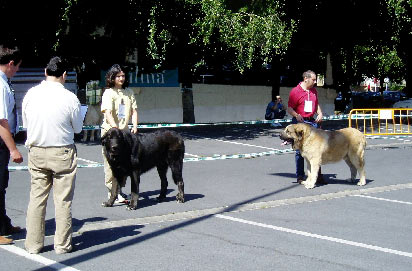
x=112, y=73
x=56, y=67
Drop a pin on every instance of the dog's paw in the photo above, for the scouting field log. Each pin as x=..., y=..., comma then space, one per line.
x=180, y=198
x=106, y=204
x=350, y=180
x=131, y=208
x=308, y=185
x=360, y=183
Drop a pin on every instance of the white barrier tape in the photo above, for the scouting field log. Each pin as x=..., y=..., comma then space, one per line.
x=238, y=156
x=195, y=159
x=26, y=168
x=174, y=125
x=389, y=137
x=251, y=122
x=218, y=156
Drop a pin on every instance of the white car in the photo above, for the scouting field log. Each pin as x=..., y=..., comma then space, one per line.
x=403, y=104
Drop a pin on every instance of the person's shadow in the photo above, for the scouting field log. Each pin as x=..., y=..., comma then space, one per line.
x=92, y=238
x=104, y=236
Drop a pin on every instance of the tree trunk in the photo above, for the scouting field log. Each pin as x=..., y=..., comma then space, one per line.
x=275, y=78
x=188, y=106
x=187, y=95
x=408, y=64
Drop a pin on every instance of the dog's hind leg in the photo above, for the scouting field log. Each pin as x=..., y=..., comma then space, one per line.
x=359, y=165
x=353, y=169
x=177, y=172
x=162, y=170
x=134, y=187
x=362, y=179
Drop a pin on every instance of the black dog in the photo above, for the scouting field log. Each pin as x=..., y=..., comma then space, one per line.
x=131, y=155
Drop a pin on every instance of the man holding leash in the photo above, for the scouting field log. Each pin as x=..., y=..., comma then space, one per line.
x=303, y=105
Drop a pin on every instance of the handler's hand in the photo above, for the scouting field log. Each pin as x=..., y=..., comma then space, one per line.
x=319, y=118
x=16, y=156
x=299, y=118
x=134, y=130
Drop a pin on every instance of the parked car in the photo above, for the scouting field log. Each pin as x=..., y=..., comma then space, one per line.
x=403, y=104
x=368, y=99
x=394, y=96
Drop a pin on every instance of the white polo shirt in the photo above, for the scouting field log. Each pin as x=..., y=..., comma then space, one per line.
x=51, y=115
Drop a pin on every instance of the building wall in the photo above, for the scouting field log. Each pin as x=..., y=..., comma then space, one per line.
x=212, y=103
x=215, y=103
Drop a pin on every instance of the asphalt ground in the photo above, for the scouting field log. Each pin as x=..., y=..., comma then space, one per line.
x=243, y=211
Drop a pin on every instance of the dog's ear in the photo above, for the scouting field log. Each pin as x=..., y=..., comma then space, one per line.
x=103, y=139
x=299, y=131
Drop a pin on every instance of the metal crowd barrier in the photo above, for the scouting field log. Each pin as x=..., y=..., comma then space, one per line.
x=382, y=121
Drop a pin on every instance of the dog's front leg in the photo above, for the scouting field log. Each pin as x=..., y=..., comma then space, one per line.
x=113, y=194
x=135, y=181
x=313, y=169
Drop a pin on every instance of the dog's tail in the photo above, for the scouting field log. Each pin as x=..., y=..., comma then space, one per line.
x=361, y=149
x=177, y=144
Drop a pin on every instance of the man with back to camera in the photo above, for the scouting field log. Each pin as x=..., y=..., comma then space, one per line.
x=10, y=60
x=303, y=105
x=52, y=115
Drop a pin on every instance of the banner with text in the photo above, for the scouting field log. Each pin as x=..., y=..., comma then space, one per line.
x=137, y=78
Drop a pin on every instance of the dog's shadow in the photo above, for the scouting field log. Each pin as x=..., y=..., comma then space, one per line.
x=329, y=178
x=98, y=237
x=150, y=198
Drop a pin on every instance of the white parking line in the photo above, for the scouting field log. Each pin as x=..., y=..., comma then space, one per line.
x=87, y=161
x=232, y=142
x=37, y=258
x=193, y=155
x=383, y=199
x=317, y=236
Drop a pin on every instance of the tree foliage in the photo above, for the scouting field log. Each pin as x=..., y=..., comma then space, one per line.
x=254, y=32
x=257, y=31
x=364, y=37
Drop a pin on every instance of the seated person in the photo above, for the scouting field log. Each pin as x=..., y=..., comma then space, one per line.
x=275, y=109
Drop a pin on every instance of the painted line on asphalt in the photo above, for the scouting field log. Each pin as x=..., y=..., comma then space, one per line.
x=236, y=208
x=230, y=142
x=317, y=236
x=383, y=199
x=192, y=159
x=38, y=258
x=87, y=161
x=193, y=155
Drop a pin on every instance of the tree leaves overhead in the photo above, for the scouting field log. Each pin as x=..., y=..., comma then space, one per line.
x=362, y=36
x=254, y=31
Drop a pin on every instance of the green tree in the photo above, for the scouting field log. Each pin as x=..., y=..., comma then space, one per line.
x=252, y=31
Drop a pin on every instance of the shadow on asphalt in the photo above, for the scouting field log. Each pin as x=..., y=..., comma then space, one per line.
x=121, y=232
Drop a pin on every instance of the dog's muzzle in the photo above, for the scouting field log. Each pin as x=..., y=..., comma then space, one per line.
x=285, y=138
